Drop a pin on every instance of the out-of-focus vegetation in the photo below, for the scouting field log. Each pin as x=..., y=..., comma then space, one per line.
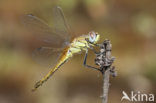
x=129, y=24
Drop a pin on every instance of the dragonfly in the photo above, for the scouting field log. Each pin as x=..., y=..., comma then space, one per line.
x=61, y=43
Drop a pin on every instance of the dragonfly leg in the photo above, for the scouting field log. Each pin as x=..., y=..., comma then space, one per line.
x=85, y=64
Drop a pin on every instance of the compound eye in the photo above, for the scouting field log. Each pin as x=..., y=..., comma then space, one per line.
x=91, y=34
x=92, y=38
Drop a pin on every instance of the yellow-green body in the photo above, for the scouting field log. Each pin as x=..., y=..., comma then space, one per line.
x=77, y=45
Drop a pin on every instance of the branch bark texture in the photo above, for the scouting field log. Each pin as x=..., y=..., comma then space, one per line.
x=104, y=60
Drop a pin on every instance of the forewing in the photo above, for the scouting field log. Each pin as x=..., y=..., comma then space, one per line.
x=60, y=24
x=50, y=39
x=42, y=32
x=47, y=56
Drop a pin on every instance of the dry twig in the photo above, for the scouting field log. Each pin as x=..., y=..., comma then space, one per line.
x=104, y=60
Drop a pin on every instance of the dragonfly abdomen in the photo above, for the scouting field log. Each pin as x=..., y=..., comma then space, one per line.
x=63, y=58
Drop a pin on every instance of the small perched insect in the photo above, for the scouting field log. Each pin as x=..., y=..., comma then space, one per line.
x=62, y=43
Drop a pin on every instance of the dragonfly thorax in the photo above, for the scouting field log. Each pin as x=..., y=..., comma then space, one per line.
x=82, y=43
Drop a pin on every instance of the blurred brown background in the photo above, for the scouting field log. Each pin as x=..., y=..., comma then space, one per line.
x=130, y=25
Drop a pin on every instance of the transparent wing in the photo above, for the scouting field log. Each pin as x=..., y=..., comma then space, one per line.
x=42, y=32
x=60, y=23
x=47, y=38
x=47, y=56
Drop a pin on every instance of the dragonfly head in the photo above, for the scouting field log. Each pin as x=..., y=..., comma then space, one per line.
x=93, y=37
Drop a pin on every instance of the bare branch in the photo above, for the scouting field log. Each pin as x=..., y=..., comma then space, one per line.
x=104, y=60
